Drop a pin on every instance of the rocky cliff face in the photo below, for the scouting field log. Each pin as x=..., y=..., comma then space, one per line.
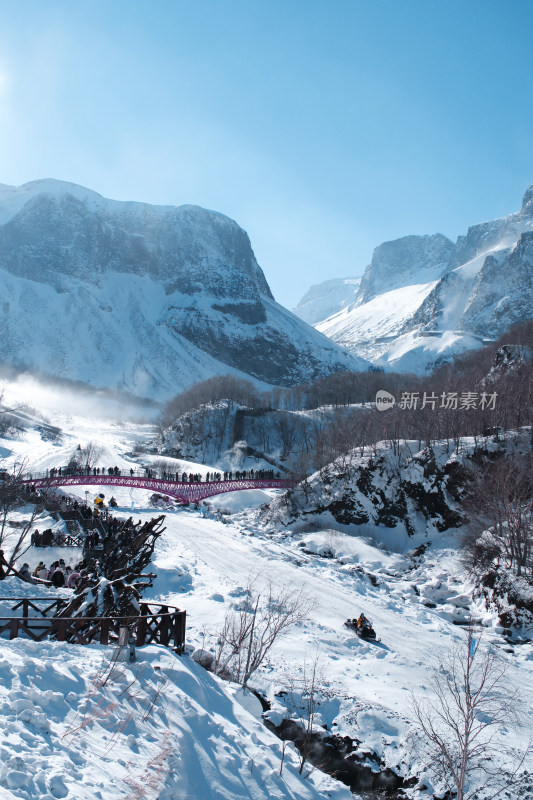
x=423, y=299
x=140, y=297
x=65, y=231
x=411, y=259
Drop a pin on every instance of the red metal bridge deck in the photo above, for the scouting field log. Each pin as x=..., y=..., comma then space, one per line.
x=183, y=492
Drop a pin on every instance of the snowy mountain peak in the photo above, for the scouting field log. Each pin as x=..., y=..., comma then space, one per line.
x=405, y=261
x=423, y=299
x=146, y=298
x=52, y=229
x=527, y=201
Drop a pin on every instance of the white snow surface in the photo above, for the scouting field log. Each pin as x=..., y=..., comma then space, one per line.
x=164, y=728
x=326, y=299
x=374, y=325
x=76, y=726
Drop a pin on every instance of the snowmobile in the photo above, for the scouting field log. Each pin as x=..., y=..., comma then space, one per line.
x=366, y=631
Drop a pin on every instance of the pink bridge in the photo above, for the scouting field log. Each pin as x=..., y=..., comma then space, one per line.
x=184, y=492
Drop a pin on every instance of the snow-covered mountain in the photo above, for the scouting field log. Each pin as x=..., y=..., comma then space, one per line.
x=144, y=298
x=411, y=259
x=423, y=299
x=327, y=298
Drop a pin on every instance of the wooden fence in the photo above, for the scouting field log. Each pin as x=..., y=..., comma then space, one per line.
x=64, y=540
x=156, y=624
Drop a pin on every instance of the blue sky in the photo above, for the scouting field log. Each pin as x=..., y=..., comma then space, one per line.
x=323, y=128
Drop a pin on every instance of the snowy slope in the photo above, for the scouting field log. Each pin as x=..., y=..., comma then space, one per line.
x=422, y=299
x=76, y=726
x=374, y=325
x=217, y=750
x=149, y=299
x=327, y=298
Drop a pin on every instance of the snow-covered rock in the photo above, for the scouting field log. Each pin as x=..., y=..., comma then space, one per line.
x=423, y=299
x=144, y=298
x=402, y=262
x=398, y=498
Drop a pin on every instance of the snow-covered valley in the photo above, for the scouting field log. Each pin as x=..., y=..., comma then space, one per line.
x=74, y=726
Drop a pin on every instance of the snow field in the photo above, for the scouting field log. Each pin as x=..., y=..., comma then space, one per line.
x=76, y=725
x=198, y=741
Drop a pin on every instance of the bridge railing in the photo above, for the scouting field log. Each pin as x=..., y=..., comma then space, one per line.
x=156, y=624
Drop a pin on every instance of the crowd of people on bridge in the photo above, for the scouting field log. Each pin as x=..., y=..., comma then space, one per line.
x=57, y=472
x=213, y=477
x=148, y=472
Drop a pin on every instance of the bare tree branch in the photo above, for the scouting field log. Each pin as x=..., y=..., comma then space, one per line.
x=471, y=705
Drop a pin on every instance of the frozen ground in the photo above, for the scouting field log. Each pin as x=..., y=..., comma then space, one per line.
x=198, y=741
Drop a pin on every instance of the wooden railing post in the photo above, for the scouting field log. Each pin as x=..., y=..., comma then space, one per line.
x=182, y=619
x=13, y=629
x=164, y=629
x=141, y=631
x=104, y=630
x=61, y=629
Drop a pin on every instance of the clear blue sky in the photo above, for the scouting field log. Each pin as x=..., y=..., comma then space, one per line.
x=323, y=128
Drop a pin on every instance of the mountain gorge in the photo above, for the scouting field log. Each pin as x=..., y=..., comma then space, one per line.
x=147, y=299
x=423, y=299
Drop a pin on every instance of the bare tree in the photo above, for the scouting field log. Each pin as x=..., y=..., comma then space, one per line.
x=250, y=631
x=306, y=689
x=471, y=704
x=503, y=496
x=287, y=428
x=21, y=545
x=11, y=497
x=88, y=456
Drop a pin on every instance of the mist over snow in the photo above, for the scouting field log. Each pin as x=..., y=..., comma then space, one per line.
x=49, y=396
x=326, y=299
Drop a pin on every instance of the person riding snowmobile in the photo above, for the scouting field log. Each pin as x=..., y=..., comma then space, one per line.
x=362, y=621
